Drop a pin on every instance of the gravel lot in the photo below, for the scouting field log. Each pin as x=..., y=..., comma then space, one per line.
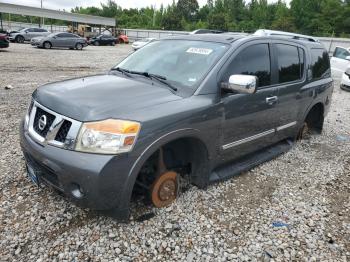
x=293, y=208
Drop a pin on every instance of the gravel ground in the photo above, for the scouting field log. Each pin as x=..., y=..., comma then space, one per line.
x=293, y=208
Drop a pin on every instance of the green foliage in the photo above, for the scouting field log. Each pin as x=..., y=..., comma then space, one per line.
x=314, y=17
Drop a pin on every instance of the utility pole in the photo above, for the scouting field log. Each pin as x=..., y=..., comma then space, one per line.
x=42, y=18
x=154, y=16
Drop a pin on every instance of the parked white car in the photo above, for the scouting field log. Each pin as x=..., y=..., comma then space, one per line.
x=340, y=61
x=345, y=80
x=141, y=43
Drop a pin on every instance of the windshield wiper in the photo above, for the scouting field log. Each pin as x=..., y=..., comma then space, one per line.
x=124, y=71
x=160, y=78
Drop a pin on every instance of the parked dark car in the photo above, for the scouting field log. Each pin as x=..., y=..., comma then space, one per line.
x=4, y=41
x=197, y=108
x=103, y=40
x=63, y=40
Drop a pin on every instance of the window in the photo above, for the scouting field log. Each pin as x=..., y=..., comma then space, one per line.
x=68, y=35
x=254, y=60
x=64, y=35
x=40, y=30
x=320, y=63
x=341, y=53
x=289, y=66
x=30, y=30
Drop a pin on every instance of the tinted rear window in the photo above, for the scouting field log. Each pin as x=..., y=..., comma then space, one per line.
x=289, y=65
x=320, y=63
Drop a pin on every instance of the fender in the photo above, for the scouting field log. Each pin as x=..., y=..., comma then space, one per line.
x=148, y=151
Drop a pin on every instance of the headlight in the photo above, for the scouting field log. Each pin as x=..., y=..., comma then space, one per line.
x=26, y=120
x=108, y=136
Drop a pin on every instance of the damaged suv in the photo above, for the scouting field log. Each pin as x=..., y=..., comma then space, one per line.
x=196, y=108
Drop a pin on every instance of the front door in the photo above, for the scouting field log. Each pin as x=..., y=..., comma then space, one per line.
x=250, y=120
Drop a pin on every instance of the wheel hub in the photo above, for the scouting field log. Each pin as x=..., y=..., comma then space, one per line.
x=164, y=189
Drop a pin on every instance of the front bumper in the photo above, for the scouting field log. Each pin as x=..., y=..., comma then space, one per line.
x=4, y=44
x=35, y=43
x=345, y=82
x=101, y=178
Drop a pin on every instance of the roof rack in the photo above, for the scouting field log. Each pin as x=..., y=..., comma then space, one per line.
x=264, y=32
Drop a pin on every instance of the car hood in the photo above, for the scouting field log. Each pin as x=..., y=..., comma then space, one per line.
x=101, y=97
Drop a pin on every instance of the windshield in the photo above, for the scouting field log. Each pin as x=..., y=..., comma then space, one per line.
x=183, y=63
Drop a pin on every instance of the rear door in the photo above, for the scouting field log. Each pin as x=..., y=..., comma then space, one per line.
x=290, y=69
x=29, y=34
x=70, y=40
x=249, y=122
x=43, y=32
x=339, y=63
x=104, y=39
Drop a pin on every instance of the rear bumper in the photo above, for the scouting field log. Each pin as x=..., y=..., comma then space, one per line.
x=101, y=179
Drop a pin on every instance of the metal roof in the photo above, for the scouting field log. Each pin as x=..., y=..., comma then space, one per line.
x=60, y=15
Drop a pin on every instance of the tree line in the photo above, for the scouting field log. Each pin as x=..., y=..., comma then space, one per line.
x=312, y=17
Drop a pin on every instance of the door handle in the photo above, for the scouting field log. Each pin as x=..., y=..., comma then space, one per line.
x=271, y=100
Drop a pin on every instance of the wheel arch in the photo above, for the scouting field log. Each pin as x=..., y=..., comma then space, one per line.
x=47, y=41
x=314, y=115
x=201, y=177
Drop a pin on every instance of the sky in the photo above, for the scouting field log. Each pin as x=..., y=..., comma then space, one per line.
x=68, y=4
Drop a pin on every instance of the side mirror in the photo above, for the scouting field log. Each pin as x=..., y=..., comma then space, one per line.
x=347, y=58
x=243, y=84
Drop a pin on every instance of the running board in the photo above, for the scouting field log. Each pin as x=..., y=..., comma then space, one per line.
x=248, y=162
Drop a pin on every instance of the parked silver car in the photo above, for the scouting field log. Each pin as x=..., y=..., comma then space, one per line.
x=26, y=34
x=141, y=43
x=67, y=40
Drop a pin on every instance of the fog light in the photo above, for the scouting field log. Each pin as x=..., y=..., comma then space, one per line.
x=77, y=191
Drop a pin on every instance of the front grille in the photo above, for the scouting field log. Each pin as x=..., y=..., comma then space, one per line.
x=55, y=131
x=62, y=133
x=49, y=120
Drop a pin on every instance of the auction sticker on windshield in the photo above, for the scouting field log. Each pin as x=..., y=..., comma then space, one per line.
x=201, y=51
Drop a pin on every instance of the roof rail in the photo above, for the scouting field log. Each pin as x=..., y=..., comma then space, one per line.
x=264, y=32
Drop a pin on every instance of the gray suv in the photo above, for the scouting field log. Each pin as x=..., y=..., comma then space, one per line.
x=26, y=34
x=192, y=108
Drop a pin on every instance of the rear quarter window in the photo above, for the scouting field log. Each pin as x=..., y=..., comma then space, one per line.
x=320, y=64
